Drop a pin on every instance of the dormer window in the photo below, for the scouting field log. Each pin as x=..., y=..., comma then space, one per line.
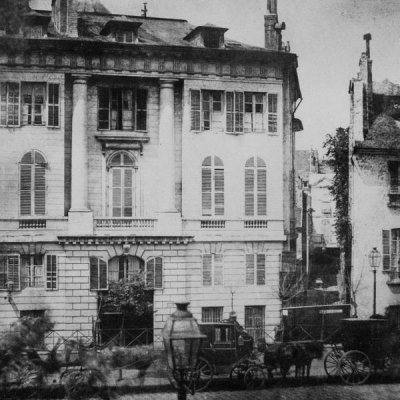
x=209, y=36
x=121, y=30
x=35, y=24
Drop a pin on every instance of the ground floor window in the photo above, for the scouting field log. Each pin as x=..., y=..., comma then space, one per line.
x=10, y=271
x=254, y=321
x=212, y=314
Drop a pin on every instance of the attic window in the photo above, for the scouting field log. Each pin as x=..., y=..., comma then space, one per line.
x=124, y=36
x=212, y=40
x=209, y=36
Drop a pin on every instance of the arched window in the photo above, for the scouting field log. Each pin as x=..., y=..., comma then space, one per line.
x=125, y=268
x=122, y=193
x=32, y=187
x=212, y=186
x=154, y=273
x=255, y=184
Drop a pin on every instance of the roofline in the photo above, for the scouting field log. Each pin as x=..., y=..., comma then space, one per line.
x=131, y=16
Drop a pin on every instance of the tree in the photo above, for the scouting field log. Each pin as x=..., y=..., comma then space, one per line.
x=337, y=151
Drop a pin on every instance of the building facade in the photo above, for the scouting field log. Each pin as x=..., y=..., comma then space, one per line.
x=373, y=185
x=144, y=145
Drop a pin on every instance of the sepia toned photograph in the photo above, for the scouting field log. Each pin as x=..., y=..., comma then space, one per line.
x=199, y=199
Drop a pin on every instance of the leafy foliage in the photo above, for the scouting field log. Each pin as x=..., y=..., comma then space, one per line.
x=337, y=147
x=11, y=14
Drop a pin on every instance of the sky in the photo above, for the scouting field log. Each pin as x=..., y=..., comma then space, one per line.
x=327, y=36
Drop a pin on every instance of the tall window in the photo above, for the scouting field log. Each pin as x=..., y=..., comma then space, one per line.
x=234, y=112
x=212, y=186
x=253, y=112
x=51, y=272
x=255, y=183
x=53, y=106
x=254, y=321
x=154, y=273
x=98, y=274
x=206, y=110
x=33, y=103
x=9, y=271
x=122, y=109
x=255, y=269
x=213, y=269
x=272, y=112
x=32, y=184
x=212, y=314
x=391, y=249
x=9, y=103
x=122, y=172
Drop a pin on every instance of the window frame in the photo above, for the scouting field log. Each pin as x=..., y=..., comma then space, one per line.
x=34, y=88
x=200, y=109
x=52, y=274
x=256, y=269
x=99, y=274
x=216, y=271
x=5, y=108
x=272, y=113
x=153, y=286
x=6, y=273
x=213, y=192
x=120, y=96
x=214, y=311
x=53, y=105
x=255, y=188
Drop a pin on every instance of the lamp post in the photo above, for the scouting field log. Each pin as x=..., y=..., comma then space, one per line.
x=374, y=258
x=10, y=288
x=182, y=339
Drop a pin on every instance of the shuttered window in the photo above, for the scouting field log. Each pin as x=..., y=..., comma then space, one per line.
x=53, y=106
x=195, y=110
x=51, y=272
x=255, y=184
x=122, y=185
x=254, y=112
x=272, y=112
x=213, y=270
x=255, y=269
x=234, y=112
x=206, y=110
x=32, y=184
x=33, y=103
x=122, y=109
x=9, y=103
x=154, y=273
x=391, y=249
x=213, y=187
x=10, y=271
x=98, y=274
x=393, y=167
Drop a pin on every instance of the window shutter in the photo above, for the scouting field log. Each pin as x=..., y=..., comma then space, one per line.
x=261, y=191
x=272, y=112
x=104, y=108
x=195, y=110
x=128, y=192
x=218, y=269
x=260, y=269
x=206, y=190
x=103, y=274
x=249, y=269
x=206, y=110
x=3, y=103
x=53, y=109
x=158, y=273
x=386, y=249
x=13, y=270
x=40, y=189
x=393, y=167
x=51, y=272
x=3, y=271
x=219, y=191
x=249, y=191
x=239, y=98
x=141, y=109
x=116, y=192
x=207, y=266
x=94, y=273
x=25, y=189
x=150, y=273
x=229, y=112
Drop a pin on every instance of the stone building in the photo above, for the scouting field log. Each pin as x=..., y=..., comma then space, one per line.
x=374, y=187
x=133, y=144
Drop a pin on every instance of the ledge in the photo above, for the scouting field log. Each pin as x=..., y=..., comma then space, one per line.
x=116, y=140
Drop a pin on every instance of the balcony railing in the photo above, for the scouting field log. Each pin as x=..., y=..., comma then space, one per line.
x=32, y=223
x=255, y=224
x=212, y=224
x=125, y=223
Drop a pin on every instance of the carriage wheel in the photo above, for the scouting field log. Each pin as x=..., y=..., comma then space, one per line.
x=203, y=375
x=237, y=374
x=331, y=362
x=355, y=367
x=254, y=378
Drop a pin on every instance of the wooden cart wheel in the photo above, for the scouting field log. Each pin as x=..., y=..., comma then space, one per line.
x=355, y=367
x=254, y=378
x=331, y=362
x=203, y=375
x=237, y=373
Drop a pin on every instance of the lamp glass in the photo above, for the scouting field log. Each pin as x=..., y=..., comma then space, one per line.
x=374, y=258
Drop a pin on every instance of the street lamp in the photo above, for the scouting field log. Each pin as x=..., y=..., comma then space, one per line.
x=182, y=339
x=374, y=258
x=10, y=288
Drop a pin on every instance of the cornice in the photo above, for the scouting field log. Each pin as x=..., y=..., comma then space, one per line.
x=120, y=240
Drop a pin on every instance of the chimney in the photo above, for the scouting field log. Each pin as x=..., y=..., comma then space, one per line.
x=273, y=29
x=366, y=77
x=65, y=17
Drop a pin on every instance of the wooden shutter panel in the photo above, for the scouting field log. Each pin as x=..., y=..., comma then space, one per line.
x=13, y=270
x=249, y=269
x=3, y=271
x=40, y=189
x=207, y=267
x=141, y=110
x=218, y=269
x=261, y=191
x=128, y=192
x=51, y=272
x=3, y=103
x=104, y=108
x=219, y=191
x=94, y=273
x=249, y=191
x=230, y=112
x=116, y=192
x=260, y=269
x=25, y=189
x=239, y=111
x=393, y=167
x=103, y=279
x=195, y=110
x=206, y=190
x=206, y=97
x=158, y=273
x=150, y=273
x=386, y=249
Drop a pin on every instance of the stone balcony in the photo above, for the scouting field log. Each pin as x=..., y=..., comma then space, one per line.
x=125, y=225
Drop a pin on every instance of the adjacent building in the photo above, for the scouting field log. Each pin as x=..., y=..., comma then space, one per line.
x=133, y=144
x=374, y=188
